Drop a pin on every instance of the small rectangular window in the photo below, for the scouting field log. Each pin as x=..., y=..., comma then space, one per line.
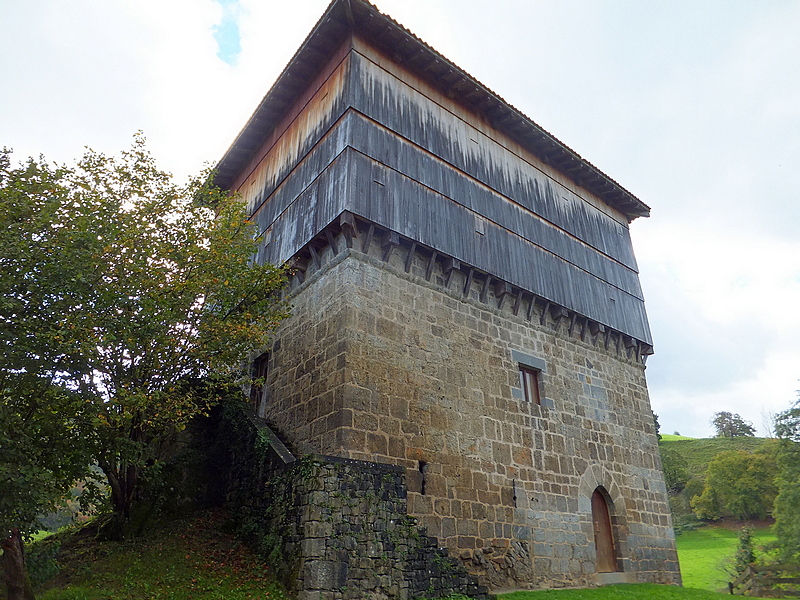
x=529, y=382
x=260, y=369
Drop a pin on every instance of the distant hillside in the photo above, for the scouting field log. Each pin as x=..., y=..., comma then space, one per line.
x=698, y=452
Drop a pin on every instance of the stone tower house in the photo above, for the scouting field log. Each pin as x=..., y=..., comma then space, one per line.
x=466, y=305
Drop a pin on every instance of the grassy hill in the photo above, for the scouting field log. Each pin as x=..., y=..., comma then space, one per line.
x=189, y=558
x=698, y=452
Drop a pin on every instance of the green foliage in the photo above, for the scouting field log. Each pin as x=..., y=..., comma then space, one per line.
x=701, y=451
x=676, y=469
x=41, y=450
x=695, y=455
x=745, y=552
x=787, y=503
x=732, y=425
x=42, y=563
x=671, y=437
x=738, y=484
x=118, y=287
x=657, y=425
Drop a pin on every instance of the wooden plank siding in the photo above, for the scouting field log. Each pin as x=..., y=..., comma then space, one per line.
x=391, y=150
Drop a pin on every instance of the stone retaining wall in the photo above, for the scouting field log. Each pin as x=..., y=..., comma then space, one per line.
x=334, y=529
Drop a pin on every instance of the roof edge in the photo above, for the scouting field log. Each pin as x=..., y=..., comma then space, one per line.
x=348, y=17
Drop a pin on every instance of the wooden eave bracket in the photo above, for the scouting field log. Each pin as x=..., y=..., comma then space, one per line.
x=557, y=312
x=449, y=266
x=347, y=222
x=595, y=327
x=390, y=243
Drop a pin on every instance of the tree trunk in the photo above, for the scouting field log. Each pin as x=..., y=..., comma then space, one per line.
x=122, y=482
x=18, y=584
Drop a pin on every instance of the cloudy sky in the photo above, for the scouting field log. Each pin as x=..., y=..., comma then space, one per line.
x=694, y=106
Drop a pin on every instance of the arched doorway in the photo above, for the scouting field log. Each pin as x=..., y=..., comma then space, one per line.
x=603, y=535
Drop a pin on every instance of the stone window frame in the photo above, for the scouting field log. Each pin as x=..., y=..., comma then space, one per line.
x=527, y=363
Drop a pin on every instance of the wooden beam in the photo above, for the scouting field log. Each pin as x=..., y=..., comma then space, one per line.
x=331, y=240
x=392, y=240
x=315, y=256
x=595, y=328
x=431, y=263
x=347, y=222
x=531, y=304
x=501, y=290
x=449, y=266
x=517, y=303
x=410, y=256
x=368, y=240
x=468, y=284
x=485, y=288
x=299, y=266
x=543, y=317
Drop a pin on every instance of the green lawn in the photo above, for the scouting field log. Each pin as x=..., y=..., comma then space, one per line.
x=669, y=437
x=704, y=553
x=639, y=591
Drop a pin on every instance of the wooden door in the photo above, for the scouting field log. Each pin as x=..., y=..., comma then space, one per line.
x=603, y=536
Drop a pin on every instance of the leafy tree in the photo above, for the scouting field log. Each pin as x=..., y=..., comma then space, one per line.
x=657, y=425
x=41, y=455
x=732, y=425
x=738, y=484
x=787, y=503
x=745, y=552
x=118, y=287
x=676, y=470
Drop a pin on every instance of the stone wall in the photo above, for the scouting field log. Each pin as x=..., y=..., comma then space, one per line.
x=388, y=362
x=331, y=528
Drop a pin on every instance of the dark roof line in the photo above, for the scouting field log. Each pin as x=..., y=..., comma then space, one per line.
x=359, y=16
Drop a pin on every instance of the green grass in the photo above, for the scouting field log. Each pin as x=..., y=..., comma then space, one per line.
x=669, y=437
x=704, y=553
x=698, y=452
x=180, y=560
x=195, y=559
x=637, y=591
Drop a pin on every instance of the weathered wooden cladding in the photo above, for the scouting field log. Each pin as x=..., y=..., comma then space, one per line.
x=307, y=119
x=458, y=277
x=383, y=146
x=462, y=140
x=305, y=203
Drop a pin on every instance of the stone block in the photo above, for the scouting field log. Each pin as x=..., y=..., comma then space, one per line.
x=313, y=547
x=324, y=575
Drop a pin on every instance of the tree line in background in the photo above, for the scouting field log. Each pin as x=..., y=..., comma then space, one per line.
x=126, y=302
x=743, y=485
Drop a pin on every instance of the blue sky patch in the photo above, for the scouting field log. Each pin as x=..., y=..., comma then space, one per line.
x=226, y=34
